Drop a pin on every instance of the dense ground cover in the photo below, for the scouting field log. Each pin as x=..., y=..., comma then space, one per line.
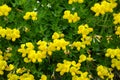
x=59, y=40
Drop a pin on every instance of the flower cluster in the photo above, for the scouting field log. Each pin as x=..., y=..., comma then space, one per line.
x=114, y=54
x=29, y=54
x=12, y=76
x=21, y=70
x=115, y=63
x=104, y=7
x=78, y=45
x=83, y=76
x=60, y=44
x=73, y=67
x=57, y=35
x=103, y=72
x=71, y=17
x=32, y=15
x=26, y=76
x=118, y=31
x=116, y=18
x=4, y=10
x=7, y=54
x=9, y=33
x=83, y=58
x=84, y=30
x=23, y=74
x=4, y=65
x=49, y=47
x=79, y=1
x=68, y=66
x=82, y=44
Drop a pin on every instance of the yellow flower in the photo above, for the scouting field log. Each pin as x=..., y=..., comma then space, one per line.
x=1, y=53
x=103, y=7
x=40, y=55
x=4, y=10
x=3, y=65
x=22, y=50
x=32, y=15
x=80, y=1
x=112, y=53
x=71, y=1
x=118, y=31
x=43, y=77
x=82, y=58
x=66, y=14
x=10, y=33
x=74, y=70
x=9, y=68
x=55, y=35
x=97, y=9
x=29, y=45
x=15, y=34
x=62, y=35
x=42, y=46
x=62, y=68
x=84, y=30
x=103, y=72
x=27, y=76
x=2, y=32
x=1, y=72
x=20, y=70
x=60, y=44
x=75, y=17
x=83, y=76
x=115, y=63
x=89, y=58
x=11, y=76
x=71, y=17
x=86, y=40
x=116, y=17
x=27, y=60
x=27, y=15
x=6, y=56
x=1, y=57
x=77, y=44
x=32, y=56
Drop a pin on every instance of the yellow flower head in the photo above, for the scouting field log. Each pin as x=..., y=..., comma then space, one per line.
x=43, y=77
x=116, y=17
x=4, y=10
x=103, y=72
x=32, y=15
x=71, y=17
x=27, y=76
x=55, y=35
x=103, y=7
x=10, y=67
x=12, y=76
x=82, y=58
